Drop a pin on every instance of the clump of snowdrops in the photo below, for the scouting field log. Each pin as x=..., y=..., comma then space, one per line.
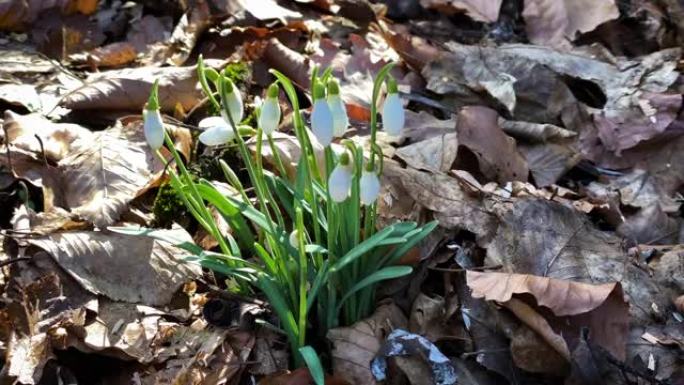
x=310, y=243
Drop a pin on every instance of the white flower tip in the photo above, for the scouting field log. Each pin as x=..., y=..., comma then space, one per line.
x=369, y=185
x=339, y=113
x=322, y=122
x=294, y=239
x=339, y=183
x=393, y=117
x=153, y=128
x=216, y=132
x=269, y=117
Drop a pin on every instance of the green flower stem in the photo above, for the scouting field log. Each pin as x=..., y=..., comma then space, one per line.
x=260, y=173
x=201, y=74
x=276, y=155
x=303, y=281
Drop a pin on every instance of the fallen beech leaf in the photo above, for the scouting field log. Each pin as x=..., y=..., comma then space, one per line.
x=17, y=14
x=422, y=125
x=534, y=132
x=436, y=154
x=355, y=346
x=679, y=303
x=112, y=55
x=555, y=22
x=496, y=153
x=121, y=267
x=57, y=140
x=533, y=352
x=128, y=89
x=549, y=162
x=601, y=308
x=486, y=11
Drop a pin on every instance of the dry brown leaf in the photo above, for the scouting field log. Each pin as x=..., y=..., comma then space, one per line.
x=533, y=353
x=486, y=11
x=355, y=346
x=57, y=140
x=422, y=125
x=121, y=267
x=555, y=22
x=17, y=14
x=436, y=154
x=601, y=308
x=128, y=89
x=496, y=153
x=112, y=55
x=549, y=162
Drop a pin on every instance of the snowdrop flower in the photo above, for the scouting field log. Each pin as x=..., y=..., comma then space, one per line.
x=269, y=115
x=369, y=185
x=337, y=108
x=294, y=239
x=321, y=117
x=392, y=111
x=216, y=131
x=153, y=124
x=340, y=180
x=232, y=100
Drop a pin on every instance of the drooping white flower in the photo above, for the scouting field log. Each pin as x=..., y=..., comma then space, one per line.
x=321, y=116
x=369, y=187
x=233, y=100
x=153, y=127
x=393, y=111
x=339, y=182
x=217, y=131
x=269, y=115
x=294, y=239
x=338, y=109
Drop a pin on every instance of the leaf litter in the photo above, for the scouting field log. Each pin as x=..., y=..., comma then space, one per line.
x=544, y=136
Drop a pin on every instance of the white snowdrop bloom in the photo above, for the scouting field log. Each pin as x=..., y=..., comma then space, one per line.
x=234, y=103
x=393, y=115
x=217, y=131
x=337, y=108
x=269, y=115
x=153, y=127
x=294, y=239
x=369, y=187
x=322, y=122
x=340, y=181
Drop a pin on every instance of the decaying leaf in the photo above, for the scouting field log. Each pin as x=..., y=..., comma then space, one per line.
x=435, y=154
x=480, y=10
x=121, y=267
x=601, y=308
x=555, y=23
x=354, y=347
x=128, y=89
x=497, y=156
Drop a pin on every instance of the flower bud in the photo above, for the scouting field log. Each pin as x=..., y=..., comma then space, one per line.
x=269, y=115
x=392, y=111
x=369, y=187
x=217, y=131
x=338, y=109
x=340, y=180
x=233, y=100
x=153, y=127
x=294, y=239
x=153, y=124
x=321, y=117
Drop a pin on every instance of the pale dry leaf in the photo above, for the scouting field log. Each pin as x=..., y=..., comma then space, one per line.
x=122, y=267
x=486, y=11
x=128, y=89
x=555, y=22
x=535, y=132
x=531, y=352
x=436, y=154
x=422, y=125
x=355, y=346
x=548, y=162
x=55, y=140
x=100, y=180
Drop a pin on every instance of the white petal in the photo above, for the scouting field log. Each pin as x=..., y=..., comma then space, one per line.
x=339, y=183
x=393, y=115
x=369, y=187
x=153, y=127
x=294, y=240
x=269, y=117
x=217, y=131
x=235, y=106
x=339, y=113
x=322, y=122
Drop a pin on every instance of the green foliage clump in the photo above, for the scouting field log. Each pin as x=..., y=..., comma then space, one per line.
x=168, y=207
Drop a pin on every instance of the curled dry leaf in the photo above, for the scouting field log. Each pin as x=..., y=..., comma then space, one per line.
x=601, y=308
x=555, y=22
x=355, y=346
x=497, y=154
x=121, y=267
x=436, y=154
